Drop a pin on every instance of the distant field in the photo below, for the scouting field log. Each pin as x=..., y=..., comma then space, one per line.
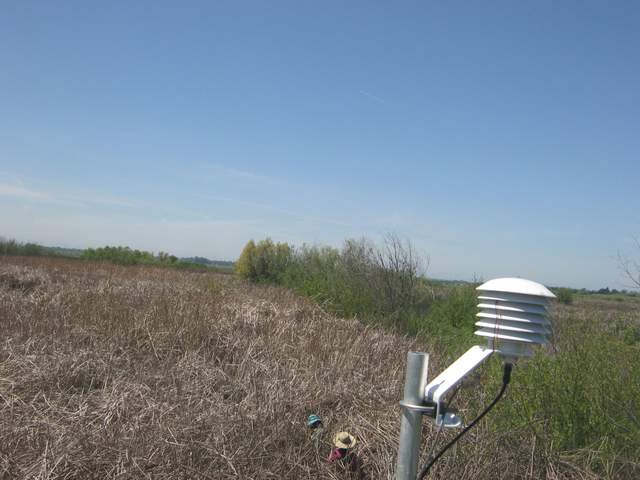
x=632, y=300
x=141, y=372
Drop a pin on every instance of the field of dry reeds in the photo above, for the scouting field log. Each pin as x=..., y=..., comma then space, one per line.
x=139, y=372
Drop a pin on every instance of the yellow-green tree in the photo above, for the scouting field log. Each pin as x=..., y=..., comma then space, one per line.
x=244, y=266
x=265, y=261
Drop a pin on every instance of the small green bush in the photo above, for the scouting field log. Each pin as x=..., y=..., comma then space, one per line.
x=264, y=262
x=564, y=295
x=631, y=335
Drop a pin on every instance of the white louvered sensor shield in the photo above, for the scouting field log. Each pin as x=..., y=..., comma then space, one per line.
x=514, y=315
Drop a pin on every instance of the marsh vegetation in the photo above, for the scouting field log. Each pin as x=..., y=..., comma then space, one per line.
x=111, y=371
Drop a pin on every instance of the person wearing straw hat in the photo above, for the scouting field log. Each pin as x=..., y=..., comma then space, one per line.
x=343, y=442
x=343, y=451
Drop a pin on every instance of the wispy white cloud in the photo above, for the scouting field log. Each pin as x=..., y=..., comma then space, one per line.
x=14, y=187
x=231, y=173
x=19, y=191
x=292, y=213
x=91, y=199
x=277, y=210
x=371, y=96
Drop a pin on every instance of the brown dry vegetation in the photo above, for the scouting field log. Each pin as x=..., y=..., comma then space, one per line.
x=140, y=372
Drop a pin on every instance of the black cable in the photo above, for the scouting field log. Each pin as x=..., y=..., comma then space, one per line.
x=506, y=377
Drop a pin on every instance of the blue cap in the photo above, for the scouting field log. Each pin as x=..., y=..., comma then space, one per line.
x=313, y=420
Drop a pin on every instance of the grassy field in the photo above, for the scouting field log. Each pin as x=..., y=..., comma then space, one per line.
x=141, y=372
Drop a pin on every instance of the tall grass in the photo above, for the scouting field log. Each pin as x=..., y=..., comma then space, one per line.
x=112, y=372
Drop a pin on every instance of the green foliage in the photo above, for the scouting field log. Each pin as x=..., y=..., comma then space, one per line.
x=358, y=280
x=631, y=334
x=376, y=283
x=12, y=247
x=264, y=262
x=314, y=273
x=564, y=295
x=119, y=255
x=451, y=318
x=333, y=279
x=65, y=252
x=584, y=397
x=127, y=256
x=244, y=265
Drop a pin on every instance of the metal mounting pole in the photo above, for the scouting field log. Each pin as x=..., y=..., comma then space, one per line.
x=415, y=382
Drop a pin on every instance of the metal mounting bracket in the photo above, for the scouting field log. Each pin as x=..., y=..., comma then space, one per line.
x=424, y=409
x=436, y=390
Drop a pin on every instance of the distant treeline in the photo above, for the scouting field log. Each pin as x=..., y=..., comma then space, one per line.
x=12, y=247
x=605, y=291
x=116, y=254
x=586, y=291
x=127, y=256
x=208, y=262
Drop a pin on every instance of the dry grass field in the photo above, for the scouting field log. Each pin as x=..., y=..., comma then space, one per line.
x=135, y=372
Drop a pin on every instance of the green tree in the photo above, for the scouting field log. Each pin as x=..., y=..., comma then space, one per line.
x=265, y=261
x=245, y=264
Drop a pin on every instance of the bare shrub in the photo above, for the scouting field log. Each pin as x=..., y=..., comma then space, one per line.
x=399, y=270
x=630, y=265
x=362, y=279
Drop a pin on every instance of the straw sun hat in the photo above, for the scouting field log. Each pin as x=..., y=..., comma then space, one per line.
x=344, y=440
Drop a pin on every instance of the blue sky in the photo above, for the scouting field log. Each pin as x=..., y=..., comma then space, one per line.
x=501, y=137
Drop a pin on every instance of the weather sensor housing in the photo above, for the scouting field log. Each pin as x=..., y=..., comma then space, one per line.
x=514, y=316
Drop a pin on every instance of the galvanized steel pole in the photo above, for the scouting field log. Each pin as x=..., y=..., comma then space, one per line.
x=415, y=382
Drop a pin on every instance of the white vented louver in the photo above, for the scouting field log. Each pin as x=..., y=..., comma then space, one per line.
x=514, y=315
